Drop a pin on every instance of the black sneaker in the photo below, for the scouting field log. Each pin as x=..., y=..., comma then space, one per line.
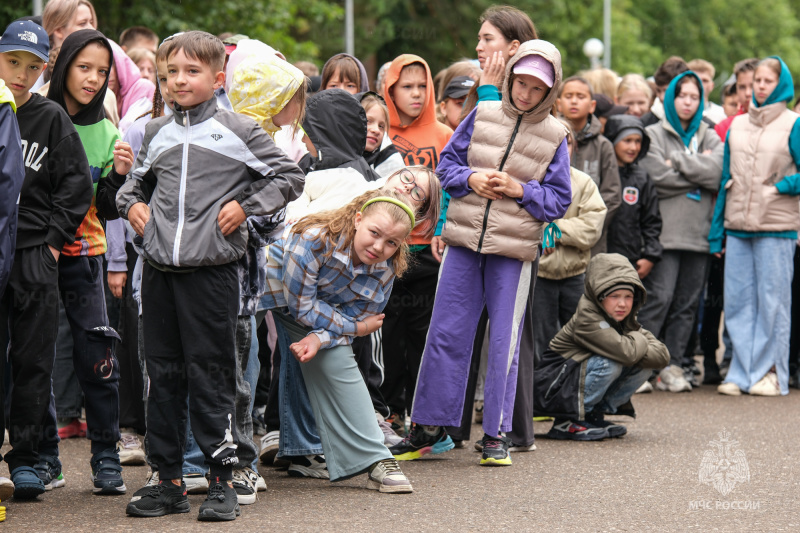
x=221, y=504
x=244, y=486
x=49, y=470
x=107, y=473
x=418, y=443
x=495, y=451
x=598, y=420
x=576, y=430
x=159, y=500
x=308, y=466
x=152, y=480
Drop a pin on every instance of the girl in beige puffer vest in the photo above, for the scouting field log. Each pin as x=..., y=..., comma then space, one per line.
x=758, y=205
x=507, y=169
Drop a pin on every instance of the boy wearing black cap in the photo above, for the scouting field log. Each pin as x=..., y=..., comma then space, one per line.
x=605, y=108
x=56, y=195
x=453, y=100
x=600, y=357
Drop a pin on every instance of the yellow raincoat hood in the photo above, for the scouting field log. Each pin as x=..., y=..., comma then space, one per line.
x=261, y=88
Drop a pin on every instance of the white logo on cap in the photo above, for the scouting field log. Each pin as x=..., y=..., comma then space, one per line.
x=28, y=36
x=468, y=83
x=534, y=63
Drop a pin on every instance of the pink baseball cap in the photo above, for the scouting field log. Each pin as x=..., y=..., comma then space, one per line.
x=536, y=66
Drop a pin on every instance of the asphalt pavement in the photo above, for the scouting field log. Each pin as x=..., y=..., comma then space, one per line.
x=649, y=480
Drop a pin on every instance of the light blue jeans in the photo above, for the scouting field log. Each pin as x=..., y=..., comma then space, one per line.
x=758, y=303
x=610, y=384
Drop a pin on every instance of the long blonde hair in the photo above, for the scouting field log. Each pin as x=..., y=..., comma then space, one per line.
x=339, y=224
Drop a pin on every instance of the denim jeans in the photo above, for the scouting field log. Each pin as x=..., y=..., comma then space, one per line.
x=610, y=384
x=299, y=434
x=251, y=373
x=758, y=301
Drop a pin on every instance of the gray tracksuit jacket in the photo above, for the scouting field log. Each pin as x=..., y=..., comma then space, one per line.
x=190, y=165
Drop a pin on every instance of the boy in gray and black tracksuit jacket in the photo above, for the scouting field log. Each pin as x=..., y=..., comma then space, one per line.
x=192, y=167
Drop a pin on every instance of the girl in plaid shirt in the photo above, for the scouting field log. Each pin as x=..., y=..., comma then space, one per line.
x=329, y=279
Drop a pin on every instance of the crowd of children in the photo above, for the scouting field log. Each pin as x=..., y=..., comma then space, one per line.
x=216, y=256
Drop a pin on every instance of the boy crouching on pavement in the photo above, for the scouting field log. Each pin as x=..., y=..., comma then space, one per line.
x=203, y=171
x=598, y=360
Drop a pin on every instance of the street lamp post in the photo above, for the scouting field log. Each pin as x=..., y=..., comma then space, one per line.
x=349, y=40
x=607, y=33
x=593, y=48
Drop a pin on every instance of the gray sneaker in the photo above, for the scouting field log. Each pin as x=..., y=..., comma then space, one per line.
x=386, y=476
x=672, y=379
x=196, y=483
x=390, y=438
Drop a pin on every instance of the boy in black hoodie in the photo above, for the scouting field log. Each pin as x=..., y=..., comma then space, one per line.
x=56, y=195
x=635, y=230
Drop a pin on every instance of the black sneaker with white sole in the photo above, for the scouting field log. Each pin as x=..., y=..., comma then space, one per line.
x=245, y=486
x=221, y=504
x=308, y=466
x=107, y=473
x=159, y=500
x=576, y=430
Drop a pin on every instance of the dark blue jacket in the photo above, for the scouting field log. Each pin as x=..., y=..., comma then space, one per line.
x=12, y=173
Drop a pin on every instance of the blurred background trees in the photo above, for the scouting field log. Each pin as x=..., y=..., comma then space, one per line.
x=644, y=32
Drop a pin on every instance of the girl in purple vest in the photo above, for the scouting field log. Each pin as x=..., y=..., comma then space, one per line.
x=757, y=210
x=507, y=170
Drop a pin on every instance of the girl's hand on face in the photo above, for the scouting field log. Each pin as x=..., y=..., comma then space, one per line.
x=479, y=183
x=503, y=184
x=305, y=350
x=371, y=324
x=494, y=69
x=230, y=217
x=123, y=158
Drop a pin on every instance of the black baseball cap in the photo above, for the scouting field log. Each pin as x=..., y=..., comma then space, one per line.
x=606, y=108
x=26, y=36
x=458, y=87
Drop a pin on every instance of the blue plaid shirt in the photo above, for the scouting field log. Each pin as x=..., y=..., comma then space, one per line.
x=327, y=294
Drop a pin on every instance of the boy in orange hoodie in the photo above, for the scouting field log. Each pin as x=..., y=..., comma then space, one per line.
x=419, y=138
x=413, y=127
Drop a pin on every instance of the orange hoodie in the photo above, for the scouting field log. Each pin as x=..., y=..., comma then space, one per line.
x=421, y=141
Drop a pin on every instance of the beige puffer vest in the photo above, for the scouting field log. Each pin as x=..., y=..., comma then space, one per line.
x=759, y=158
x=522, y=145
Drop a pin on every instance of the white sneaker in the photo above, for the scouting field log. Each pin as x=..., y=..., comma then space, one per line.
x=309, y=466
x=390, y=438
x=671, y=379
x=244, y=483
x=6, y=488
x=270, y=443
x=729, y=389
x=386, y=476
x=645, y=388
x=767, y=386
x=261, y=484
x=196, y=483
x=516, y=448
x=130, y=449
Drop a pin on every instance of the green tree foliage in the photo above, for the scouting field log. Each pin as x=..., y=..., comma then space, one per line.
x=645, y=32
